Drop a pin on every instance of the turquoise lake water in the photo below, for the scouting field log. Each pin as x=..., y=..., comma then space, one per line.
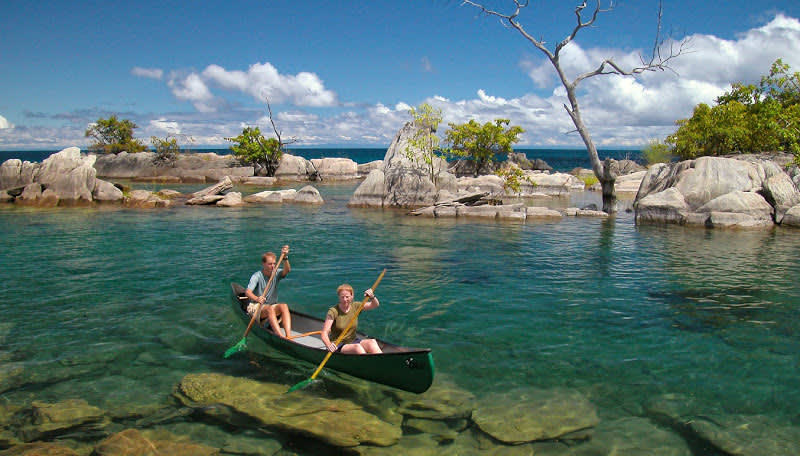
x=115, y=306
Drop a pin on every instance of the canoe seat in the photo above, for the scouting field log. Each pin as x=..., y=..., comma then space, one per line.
x=308, y=341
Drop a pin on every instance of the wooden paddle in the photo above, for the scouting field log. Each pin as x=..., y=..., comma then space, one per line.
x=242, y=344
x=308, y=381
x=310, y=333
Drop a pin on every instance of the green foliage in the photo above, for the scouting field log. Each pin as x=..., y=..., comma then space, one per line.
x=657, y=152
x=167, y=150
x=482, y=142
x=424, y=145
x=747, y=119
x=112, y=136
x=513, y=177
x=252, y=147
x=589, y=180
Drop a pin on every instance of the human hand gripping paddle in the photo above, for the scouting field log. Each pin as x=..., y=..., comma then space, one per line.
x=308, y=381
x=242, y=344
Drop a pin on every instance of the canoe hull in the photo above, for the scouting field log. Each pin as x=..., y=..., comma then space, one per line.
x=408, y=369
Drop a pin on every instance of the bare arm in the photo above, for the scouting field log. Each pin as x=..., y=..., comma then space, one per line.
x=324, y=335
x=249, y=293
x=373, y=300
x=286, y=266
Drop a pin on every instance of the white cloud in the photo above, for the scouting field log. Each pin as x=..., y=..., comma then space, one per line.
x=263, y=80
x=151, y=73
x=165, y=126
x=4, y=123
x=192, y=88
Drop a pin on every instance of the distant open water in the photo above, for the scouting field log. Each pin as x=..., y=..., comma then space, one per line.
x=562, y=160
x=115, y=306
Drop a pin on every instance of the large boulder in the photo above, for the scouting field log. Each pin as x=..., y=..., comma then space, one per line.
x=336, y=168
x=404, y=181
x=739, y=191
x=70, y=175
x=16, y=173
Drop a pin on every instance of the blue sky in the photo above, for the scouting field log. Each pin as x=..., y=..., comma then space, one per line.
x=345, y=73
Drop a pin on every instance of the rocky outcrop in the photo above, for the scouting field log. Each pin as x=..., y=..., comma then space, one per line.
x=403, y=181
x=64, y=178
x=735, y=192
x=188, y=167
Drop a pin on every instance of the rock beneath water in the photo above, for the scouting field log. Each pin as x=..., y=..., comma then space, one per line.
x=633, y=437
x=40, y=449
x=516, y=417
x=443, y=401
x=336, y=422
x=44, y=421
x=747, y=435
x=132, y=442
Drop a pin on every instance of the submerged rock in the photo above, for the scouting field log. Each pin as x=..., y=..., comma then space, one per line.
x=336, y=422
x=133, y=442
x=516, y=417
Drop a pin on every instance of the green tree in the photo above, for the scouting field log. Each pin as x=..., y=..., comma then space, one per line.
x=513, y=177
x=252, y=147
x=423, y=147
x=657, y=152
x=112, y=136
x=749, y=118
x=482, y=143
x=167, y=150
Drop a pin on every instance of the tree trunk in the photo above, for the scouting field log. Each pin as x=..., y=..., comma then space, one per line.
x=606, y=172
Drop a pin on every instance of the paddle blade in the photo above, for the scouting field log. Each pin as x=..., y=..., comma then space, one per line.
x=240, y=346
x=301, y=385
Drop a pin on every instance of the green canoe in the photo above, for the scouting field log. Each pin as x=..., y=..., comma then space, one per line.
x=408, y=369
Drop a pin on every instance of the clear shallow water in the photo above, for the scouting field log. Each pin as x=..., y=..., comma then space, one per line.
x=116, y=306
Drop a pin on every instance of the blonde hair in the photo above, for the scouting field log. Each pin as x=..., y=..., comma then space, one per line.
x=344, y=286
x=267, y=255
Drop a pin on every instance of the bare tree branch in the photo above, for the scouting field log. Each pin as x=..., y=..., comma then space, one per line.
x=656, y=62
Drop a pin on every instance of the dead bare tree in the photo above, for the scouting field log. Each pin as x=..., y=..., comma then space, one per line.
x=606, y=171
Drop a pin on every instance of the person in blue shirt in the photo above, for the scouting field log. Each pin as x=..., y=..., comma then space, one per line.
x=272, y=311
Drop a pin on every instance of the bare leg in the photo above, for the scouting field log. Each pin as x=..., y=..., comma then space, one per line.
x=354, y=349
x=371, y=346
x=286, y=317
x=273, y=320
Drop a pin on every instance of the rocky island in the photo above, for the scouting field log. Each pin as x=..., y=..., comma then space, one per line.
x=737, y=191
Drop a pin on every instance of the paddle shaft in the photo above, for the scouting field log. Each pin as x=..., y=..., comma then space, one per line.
x=257, y=313
x=310, y=333
x=353, y=320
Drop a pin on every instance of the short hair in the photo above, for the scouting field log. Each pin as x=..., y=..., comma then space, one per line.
x=267, y=255
x=343, y=287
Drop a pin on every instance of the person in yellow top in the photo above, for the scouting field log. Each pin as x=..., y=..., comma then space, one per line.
x=339, y=317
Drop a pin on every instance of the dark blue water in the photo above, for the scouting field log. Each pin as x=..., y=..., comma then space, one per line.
x=563, y=160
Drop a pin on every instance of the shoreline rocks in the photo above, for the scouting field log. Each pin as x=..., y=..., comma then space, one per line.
x=743, y=191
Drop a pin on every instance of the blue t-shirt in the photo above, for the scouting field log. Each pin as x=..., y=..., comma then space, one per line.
x=258, y=282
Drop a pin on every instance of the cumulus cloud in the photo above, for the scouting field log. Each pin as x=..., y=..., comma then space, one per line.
x=166, y=126
x=151, y=73
x=4, y=123
x=262, y=81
